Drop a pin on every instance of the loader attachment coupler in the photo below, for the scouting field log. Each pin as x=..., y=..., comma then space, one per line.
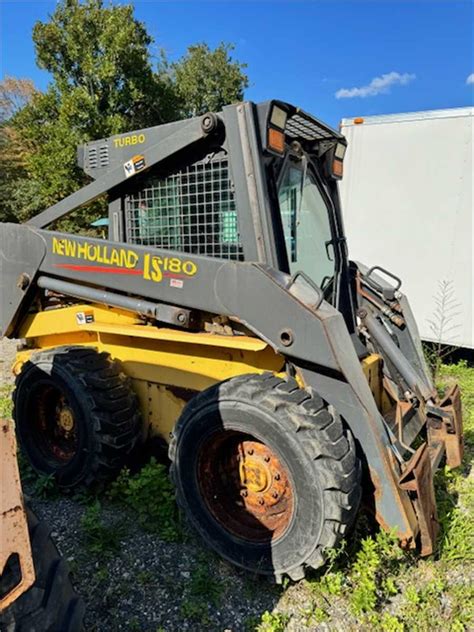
x=444, y=437
x=417, y=412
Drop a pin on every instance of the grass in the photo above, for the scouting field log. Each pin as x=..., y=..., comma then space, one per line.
x=5, y=402
x=99, y=537
x=455, y=488
x=203, y=593
x=150, y=494
x=273, y=622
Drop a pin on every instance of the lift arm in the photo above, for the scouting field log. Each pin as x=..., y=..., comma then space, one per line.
x=151, y=154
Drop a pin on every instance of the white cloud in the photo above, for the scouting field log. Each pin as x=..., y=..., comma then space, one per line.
x=378, y=85
x=470, y=79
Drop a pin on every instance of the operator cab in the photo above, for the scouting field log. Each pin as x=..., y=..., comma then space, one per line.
x=262, y=187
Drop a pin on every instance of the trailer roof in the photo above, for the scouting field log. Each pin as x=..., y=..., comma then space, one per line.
x=408, y=116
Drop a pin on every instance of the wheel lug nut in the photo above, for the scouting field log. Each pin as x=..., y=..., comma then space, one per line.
x=267, y=459
x=244, y=493
x=277, y=477
x=275, y=495
x=261, y=501
x=250, y=451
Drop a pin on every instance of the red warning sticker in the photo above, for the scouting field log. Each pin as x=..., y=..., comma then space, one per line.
x=176, y=283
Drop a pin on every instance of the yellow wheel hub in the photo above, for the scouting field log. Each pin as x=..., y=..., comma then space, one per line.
x=254, y=475
x=66, y=419
x=246, y=486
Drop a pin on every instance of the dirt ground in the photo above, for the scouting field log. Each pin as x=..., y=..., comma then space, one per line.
x=7, y=353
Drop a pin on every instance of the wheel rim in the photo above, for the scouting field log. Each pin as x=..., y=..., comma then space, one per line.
x=245, y=486
x=55, y=428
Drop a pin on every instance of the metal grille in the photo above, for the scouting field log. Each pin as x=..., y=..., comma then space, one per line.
x=103, y=156
x=301, y=127
x=92, y=157
x=191, y=211
x=100, y=160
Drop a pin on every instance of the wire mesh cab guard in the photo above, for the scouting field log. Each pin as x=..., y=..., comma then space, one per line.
x=191, y=210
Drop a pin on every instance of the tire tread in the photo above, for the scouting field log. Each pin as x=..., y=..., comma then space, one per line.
x=322, y=435
x=110, y=401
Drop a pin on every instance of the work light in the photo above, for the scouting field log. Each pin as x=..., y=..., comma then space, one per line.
x=276, y=129
x=278, y=117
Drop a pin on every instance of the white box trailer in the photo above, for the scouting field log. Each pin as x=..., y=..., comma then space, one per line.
x=407, y=200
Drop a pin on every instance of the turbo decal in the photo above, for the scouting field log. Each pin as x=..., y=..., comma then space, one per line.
x=127, y=141
x=122, y=261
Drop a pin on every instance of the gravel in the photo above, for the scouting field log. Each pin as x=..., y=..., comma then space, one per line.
x=147, y=585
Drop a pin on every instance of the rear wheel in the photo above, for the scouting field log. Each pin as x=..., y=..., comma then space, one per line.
x=51, y=604
x=76, y=415
x=267, y=473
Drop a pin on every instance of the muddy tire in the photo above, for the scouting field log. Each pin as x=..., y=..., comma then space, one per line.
x=51, y=604
x=267, y=473
x=76, y=415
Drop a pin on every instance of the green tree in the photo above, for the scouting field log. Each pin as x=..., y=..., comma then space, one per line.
x=15, y=94
x=206, y=79
x=105, y=82
x=99, y=59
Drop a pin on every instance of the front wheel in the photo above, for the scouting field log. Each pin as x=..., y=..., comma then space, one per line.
x=76, y=415
x=267, y=473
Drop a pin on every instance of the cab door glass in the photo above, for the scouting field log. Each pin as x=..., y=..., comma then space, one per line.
x=306, y=225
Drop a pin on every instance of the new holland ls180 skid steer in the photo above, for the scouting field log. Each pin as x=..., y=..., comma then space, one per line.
x=222, y=314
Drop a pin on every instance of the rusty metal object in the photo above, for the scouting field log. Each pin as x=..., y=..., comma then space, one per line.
x=453, y=432
x=245, y=486
x=14, y=537
x=417, y=479
x=405, y=503
x=403, y=409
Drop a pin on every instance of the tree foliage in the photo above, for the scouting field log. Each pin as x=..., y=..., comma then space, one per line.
x=99, y=59
x=104, y=82
x=15, y=94
x=206, y=80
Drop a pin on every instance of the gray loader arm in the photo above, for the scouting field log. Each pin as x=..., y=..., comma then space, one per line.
x=296, y=323
x=162, y=143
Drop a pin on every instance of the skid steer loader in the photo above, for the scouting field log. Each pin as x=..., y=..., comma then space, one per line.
x=223, y=315
x=36, y=593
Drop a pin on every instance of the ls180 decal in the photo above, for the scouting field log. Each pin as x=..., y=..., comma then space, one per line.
x=121, y=261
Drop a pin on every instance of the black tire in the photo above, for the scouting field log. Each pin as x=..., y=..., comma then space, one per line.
x=85, y=391
x=51, y=604
x=317, y=455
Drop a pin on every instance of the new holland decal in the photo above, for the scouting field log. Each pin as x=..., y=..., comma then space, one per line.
x=112, y=260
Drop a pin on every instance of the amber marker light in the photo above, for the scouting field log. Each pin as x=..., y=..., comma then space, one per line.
x=276, y=140
x=337, y=168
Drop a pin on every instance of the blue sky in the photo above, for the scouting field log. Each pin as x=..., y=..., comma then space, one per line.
x=377, y=56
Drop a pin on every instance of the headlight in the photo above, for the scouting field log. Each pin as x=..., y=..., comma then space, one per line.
x=278, y=117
